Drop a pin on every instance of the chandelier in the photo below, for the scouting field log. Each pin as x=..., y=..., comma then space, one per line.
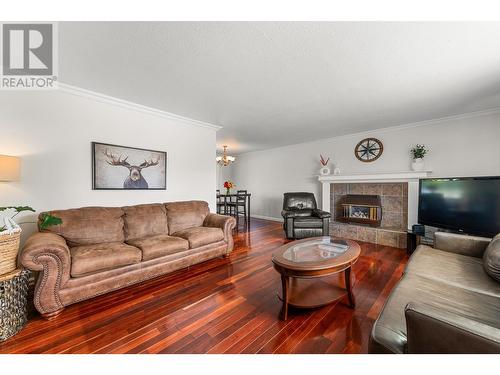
x=225, y=159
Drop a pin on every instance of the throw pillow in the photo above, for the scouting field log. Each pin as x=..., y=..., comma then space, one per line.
x=491, y=258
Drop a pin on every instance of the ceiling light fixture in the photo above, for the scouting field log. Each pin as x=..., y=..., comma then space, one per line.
x=225, y=159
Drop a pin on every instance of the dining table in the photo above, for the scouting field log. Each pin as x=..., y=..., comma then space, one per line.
x=227, y=198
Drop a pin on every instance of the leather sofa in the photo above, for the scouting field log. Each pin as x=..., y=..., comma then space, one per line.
x=446, y=302
x=302, y=218
x=100, y=249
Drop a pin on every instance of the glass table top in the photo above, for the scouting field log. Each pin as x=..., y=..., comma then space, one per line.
x=317, y=250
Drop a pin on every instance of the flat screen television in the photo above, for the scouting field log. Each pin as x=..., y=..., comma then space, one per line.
x=468, y=205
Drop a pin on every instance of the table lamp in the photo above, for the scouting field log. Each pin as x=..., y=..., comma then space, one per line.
x=10, y=168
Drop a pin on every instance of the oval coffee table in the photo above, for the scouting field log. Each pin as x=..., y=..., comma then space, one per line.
x=302, y=262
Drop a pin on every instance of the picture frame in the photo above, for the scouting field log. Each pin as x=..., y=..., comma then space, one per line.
x=117, y=167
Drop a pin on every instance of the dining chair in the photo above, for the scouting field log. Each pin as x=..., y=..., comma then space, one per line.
x=241, y=205
x=221, y=204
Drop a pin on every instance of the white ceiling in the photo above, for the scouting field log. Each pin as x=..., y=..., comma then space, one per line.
x=271, y=84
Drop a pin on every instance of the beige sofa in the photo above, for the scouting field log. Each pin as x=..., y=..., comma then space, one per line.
x=100, y=249
x=448, y=300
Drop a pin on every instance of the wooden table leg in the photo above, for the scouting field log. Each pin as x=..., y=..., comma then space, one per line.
x=285, y=283
x=348, y=286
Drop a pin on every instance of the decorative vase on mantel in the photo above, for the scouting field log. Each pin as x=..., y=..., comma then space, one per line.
x=324, y=170
x=336, y=170
x=418, y=152
x=418, y=164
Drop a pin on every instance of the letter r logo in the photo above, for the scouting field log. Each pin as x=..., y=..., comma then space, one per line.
x=27, y=49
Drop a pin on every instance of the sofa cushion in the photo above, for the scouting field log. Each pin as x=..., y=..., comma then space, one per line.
x=200, y=236
x=145, y=220
x=183, y=215
x=455, y=269
x=389, y=331
x=304, y=212
x=491, y=259
x=295, y=212
x=308, y=222
x=94, y=258
x=159, y=245
x=89, y=225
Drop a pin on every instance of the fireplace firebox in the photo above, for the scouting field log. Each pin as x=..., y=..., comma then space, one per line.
x=360, y=209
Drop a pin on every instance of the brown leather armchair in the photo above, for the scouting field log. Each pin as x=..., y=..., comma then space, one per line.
x=302, y=216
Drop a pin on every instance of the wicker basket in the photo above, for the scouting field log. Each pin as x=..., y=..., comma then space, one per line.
x=13, y=302
x=9, y=247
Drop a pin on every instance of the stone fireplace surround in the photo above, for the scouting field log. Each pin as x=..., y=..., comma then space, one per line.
x=399, y=195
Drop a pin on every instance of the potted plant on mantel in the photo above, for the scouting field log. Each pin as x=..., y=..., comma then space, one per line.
x=418, y=152
x=10, y=235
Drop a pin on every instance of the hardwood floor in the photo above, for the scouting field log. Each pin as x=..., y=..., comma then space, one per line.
x=220, y=306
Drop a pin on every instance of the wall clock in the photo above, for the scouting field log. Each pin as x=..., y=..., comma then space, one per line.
x=368, y=149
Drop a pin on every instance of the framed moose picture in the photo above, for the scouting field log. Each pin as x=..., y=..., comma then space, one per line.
x=127, y=168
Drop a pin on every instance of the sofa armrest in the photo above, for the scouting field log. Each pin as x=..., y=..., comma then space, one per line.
x=49, y=254
x=289, y=214
x=461, y=244
x=226, y=223
x=430, y=330
x=321, y=214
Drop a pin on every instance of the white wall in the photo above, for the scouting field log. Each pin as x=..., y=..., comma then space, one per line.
x=52, y=133
x=465, y=145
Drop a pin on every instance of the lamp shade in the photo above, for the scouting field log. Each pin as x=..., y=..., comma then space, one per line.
x=10, y=168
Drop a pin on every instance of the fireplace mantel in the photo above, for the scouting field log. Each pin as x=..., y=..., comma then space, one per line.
x=406, y=176
x=375, y=177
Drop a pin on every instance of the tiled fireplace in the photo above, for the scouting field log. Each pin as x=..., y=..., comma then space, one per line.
x=376, y=208
x=371, y=212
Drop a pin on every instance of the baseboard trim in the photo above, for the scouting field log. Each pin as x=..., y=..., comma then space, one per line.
x=279, y=219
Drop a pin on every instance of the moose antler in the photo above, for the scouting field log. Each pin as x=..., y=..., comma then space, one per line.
x=114, y=160
x=149, y=163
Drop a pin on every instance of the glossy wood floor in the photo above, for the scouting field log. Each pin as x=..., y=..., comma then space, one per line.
x=220, y=306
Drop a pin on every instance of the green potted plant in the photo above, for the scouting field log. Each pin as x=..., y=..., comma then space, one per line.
x=418, y=152
x=10, y=235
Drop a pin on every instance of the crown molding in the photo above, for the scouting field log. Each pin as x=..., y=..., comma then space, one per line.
x=102, y=98
x=387, y=129
x=461, y=116
x=410, y=125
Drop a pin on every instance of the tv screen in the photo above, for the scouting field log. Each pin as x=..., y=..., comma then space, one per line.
x=468, y=205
